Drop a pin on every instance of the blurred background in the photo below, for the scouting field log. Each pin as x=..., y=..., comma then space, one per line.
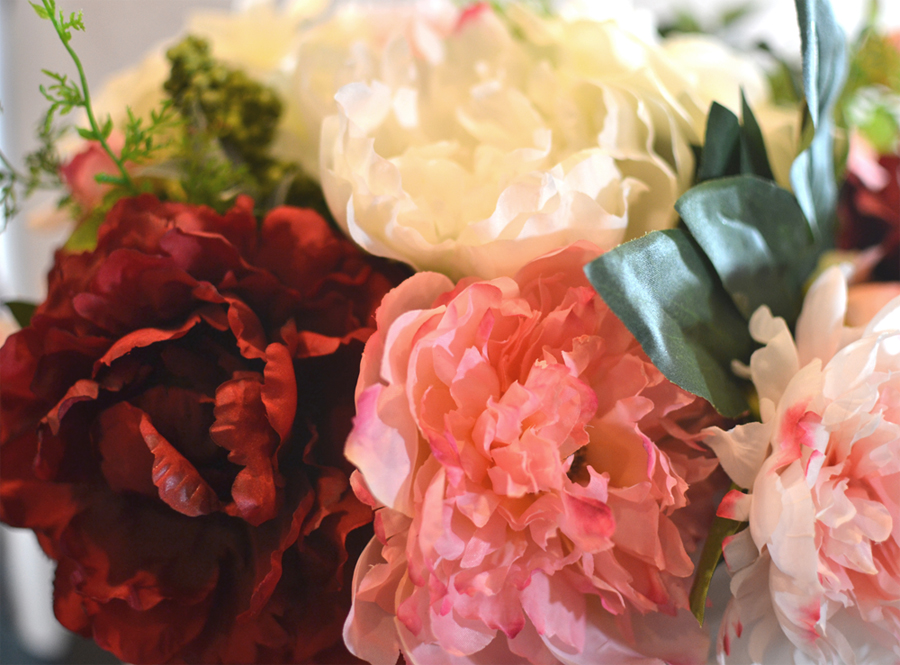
x=119, y=32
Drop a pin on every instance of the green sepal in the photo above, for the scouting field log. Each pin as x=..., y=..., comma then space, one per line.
x=668, y=295
x=756, y=237
x=22, y=311
x=719, y=531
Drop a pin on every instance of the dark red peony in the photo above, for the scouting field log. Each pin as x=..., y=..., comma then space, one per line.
x=173, y=423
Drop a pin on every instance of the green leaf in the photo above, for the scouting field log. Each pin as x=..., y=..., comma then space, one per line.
x=76, y=21
x=86, y=134
x=84, y=237
x=720, y=530
x=40, y=11
x=730, y=148
x=756, y=237
x=824, y=53
x=21, y=311
x=824, y=71
x=813, y=181
x=667, y=293
x=107, y=128
x=754, y=158
x=721, y=146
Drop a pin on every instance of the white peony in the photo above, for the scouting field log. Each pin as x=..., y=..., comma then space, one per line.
x=470, y=143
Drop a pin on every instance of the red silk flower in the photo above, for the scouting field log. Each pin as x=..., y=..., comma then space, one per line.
x=173, y=422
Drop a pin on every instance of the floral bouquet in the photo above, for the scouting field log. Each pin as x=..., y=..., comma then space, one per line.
x=466, y=334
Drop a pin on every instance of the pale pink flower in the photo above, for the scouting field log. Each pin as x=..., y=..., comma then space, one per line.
x=530, y=469
x=816, y=576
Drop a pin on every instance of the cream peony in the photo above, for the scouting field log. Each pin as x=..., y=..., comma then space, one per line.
x=816, y=576
x=472, y=147
x=536, y=483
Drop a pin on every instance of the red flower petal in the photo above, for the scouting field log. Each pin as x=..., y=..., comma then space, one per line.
x=127, y=463
x=242, y=428
x=179, y=484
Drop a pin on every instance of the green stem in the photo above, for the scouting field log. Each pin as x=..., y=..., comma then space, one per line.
x=50, y=6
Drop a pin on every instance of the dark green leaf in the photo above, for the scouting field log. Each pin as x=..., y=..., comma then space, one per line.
x=86, y=134
x=754, y=158
x=40, y=11
x=667, y=293
x=824, y=72
x=824, y=56
x=712, y=551
x=721, y=147
x=21, y=311
x=756, y=237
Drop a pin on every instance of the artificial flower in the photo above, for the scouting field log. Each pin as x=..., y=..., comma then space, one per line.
x=869, y=209
x=535, y=478
x=473, y=149
x=172, y=428
x=816, y=576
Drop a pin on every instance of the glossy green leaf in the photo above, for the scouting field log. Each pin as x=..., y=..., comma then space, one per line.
x=756, y=237
x=21, y=311
x=667, y=293
x=720, y=530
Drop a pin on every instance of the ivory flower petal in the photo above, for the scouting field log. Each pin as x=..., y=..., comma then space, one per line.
x=504, y=137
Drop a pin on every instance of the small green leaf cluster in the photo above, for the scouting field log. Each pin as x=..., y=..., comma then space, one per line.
x=48, y=11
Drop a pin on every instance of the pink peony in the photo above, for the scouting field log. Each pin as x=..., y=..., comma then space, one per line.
x=816, y=576
x=531, y=470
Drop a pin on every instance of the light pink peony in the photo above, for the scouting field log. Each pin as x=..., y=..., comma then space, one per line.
x=816, y=576
x=531, y=469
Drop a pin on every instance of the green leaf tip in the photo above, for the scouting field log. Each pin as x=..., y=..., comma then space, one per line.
x=40, y=11
x=22, y=311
